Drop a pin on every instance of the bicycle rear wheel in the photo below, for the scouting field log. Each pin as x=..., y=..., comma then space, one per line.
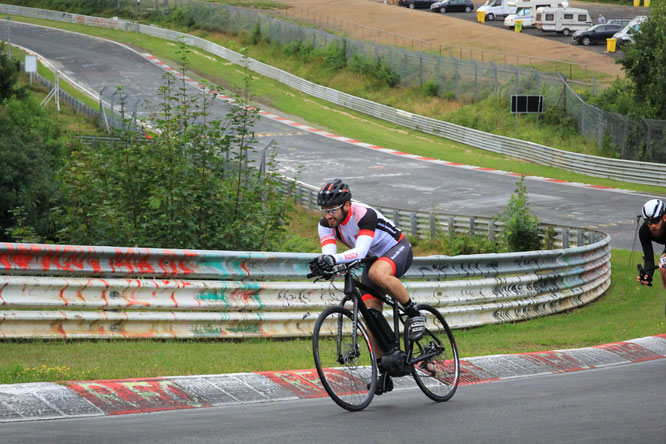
x=438, y=372
x=346, y=367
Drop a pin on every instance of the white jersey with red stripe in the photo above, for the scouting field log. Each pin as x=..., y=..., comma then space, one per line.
x=365, y=231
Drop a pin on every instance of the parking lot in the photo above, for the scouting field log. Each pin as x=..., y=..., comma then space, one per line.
x=608, y=11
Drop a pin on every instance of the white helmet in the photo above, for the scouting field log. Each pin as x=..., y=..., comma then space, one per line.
x=653, y=210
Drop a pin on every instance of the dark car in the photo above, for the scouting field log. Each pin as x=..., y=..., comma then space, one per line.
x=453, y=6
x=413, y=4
x=595, y=34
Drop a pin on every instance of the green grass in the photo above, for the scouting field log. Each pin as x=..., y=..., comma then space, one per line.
x=272, y=94
x=625, y=312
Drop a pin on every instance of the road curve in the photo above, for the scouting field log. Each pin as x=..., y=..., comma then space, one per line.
x=616, y=404
x=376, y=177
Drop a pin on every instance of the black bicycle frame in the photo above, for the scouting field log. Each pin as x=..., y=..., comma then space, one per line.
x=351, y=294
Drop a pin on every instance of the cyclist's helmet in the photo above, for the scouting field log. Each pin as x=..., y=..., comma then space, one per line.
x=653, y=210
x=333, y=193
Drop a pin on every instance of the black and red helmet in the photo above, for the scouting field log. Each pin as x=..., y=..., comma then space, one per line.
x=334, y=193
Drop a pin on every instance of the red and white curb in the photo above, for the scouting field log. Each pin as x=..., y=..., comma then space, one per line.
x=336, y=137
x=39, y=401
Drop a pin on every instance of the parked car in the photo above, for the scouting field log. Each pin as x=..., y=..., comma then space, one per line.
x=413, y=4
x=621, y=22
x=497, y=8
x=595, y=34
x=626, y=34
x=453, y=6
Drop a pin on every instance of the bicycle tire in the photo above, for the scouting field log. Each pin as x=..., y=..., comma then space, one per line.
x=437, y=377
x=349, y=376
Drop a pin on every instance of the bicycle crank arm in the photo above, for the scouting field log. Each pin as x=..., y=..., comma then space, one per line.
x=426, y=356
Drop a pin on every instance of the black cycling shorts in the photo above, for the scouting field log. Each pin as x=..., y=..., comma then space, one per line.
x=399, y=257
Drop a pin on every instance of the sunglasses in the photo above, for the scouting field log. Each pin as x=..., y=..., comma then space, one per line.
x=330, y=210
x=653, y=221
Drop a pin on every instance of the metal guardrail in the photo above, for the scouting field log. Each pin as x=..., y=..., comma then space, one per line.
x=618, y=169
x=428, y=224
x=187, y=298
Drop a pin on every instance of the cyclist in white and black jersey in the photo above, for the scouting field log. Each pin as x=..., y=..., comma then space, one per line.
x=367, y=232
x=653, y=230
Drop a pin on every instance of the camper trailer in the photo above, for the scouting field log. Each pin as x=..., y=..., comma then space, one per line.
x=497, y=8
x=626, y=34
x=526, y=11
x=564, y=20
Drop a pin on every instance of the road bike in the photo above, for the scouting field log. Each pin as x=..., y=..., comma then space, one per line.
x=345, y=358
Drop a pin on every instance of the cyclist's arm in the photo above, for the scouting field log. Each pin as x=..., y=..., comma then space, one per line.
x=360, y=250
x=648, y=252
x=366, y=235
x=327, y=240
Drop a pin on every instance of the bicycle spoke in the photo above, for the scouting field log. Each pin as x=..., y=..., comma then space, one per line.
x=436, y=369
x=344, y=359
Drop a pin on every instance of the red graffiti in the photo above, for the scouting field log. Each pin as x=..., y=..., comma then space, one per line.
x=630, y=351
x=136, y=395
x=302, y=383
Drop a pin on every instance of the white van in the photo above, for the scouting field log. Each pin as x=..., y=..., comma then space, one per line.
x=626, y=34
x=564, y=20
x=526, y=11
x=497, y=8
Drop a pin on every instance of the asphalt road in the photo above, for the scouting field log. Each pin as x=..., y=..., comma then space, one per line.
x=375, y=177
x=614, y=405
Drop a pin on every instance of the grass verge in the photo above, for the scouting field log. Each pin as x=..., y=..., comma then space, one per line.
x=340, y=120
x=626, y=311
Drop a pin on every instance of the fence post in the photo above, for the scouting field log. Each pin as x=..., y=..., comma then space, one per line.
x=476, y=80
x=452, y=226
x=412, y=222
x=433, y=227
x=580, y=240
x=491, y=230
x=471, y=226
x=565, y=237
x=457, y=81
x=396, y=218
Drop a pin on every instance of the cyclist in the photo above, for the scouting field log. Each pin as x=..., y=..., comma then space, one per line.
x=366, y=231
x=653, y=230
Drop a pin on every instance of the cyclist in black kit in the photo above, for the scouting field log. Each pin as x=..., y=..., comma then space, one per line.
x=653, y=230
x=367, y=232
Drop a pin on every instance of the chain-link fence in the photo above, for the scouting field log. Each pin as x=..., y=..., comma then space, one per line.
x=465, y=80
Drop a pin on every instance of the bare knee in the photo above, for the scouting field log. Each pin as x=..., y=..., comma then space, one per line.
x=379, y=277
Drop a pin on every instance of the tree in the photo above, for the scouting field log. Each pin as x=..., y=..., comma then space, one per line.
x=645, y=62
x=521, y=228
x=9, y=73
x=31, y=149
x=192, y=185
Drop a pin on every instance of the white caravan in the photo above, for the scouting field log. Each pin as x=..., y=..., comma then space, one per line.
x=526, y=11
x=497, y=8
x=626, y=34
x=564, y=20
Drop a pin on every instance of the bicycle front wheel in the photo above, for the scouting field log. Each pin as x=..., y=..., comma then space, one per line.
x=344, y=358
x=438, y=371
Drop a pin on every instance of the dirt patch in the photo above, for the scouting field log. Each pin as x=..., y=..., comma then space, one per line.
x=446, y=30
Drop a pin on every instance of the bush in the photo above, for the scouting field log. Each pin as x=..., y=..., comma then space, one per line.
x=377, y=70
x=191, y=186
x=431, y=89
x=521, y=228
x=335, y=55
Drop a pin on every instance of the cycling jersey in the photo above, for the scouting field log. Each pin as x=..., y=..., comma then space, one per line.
x=646, y=237
x=364, y=230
